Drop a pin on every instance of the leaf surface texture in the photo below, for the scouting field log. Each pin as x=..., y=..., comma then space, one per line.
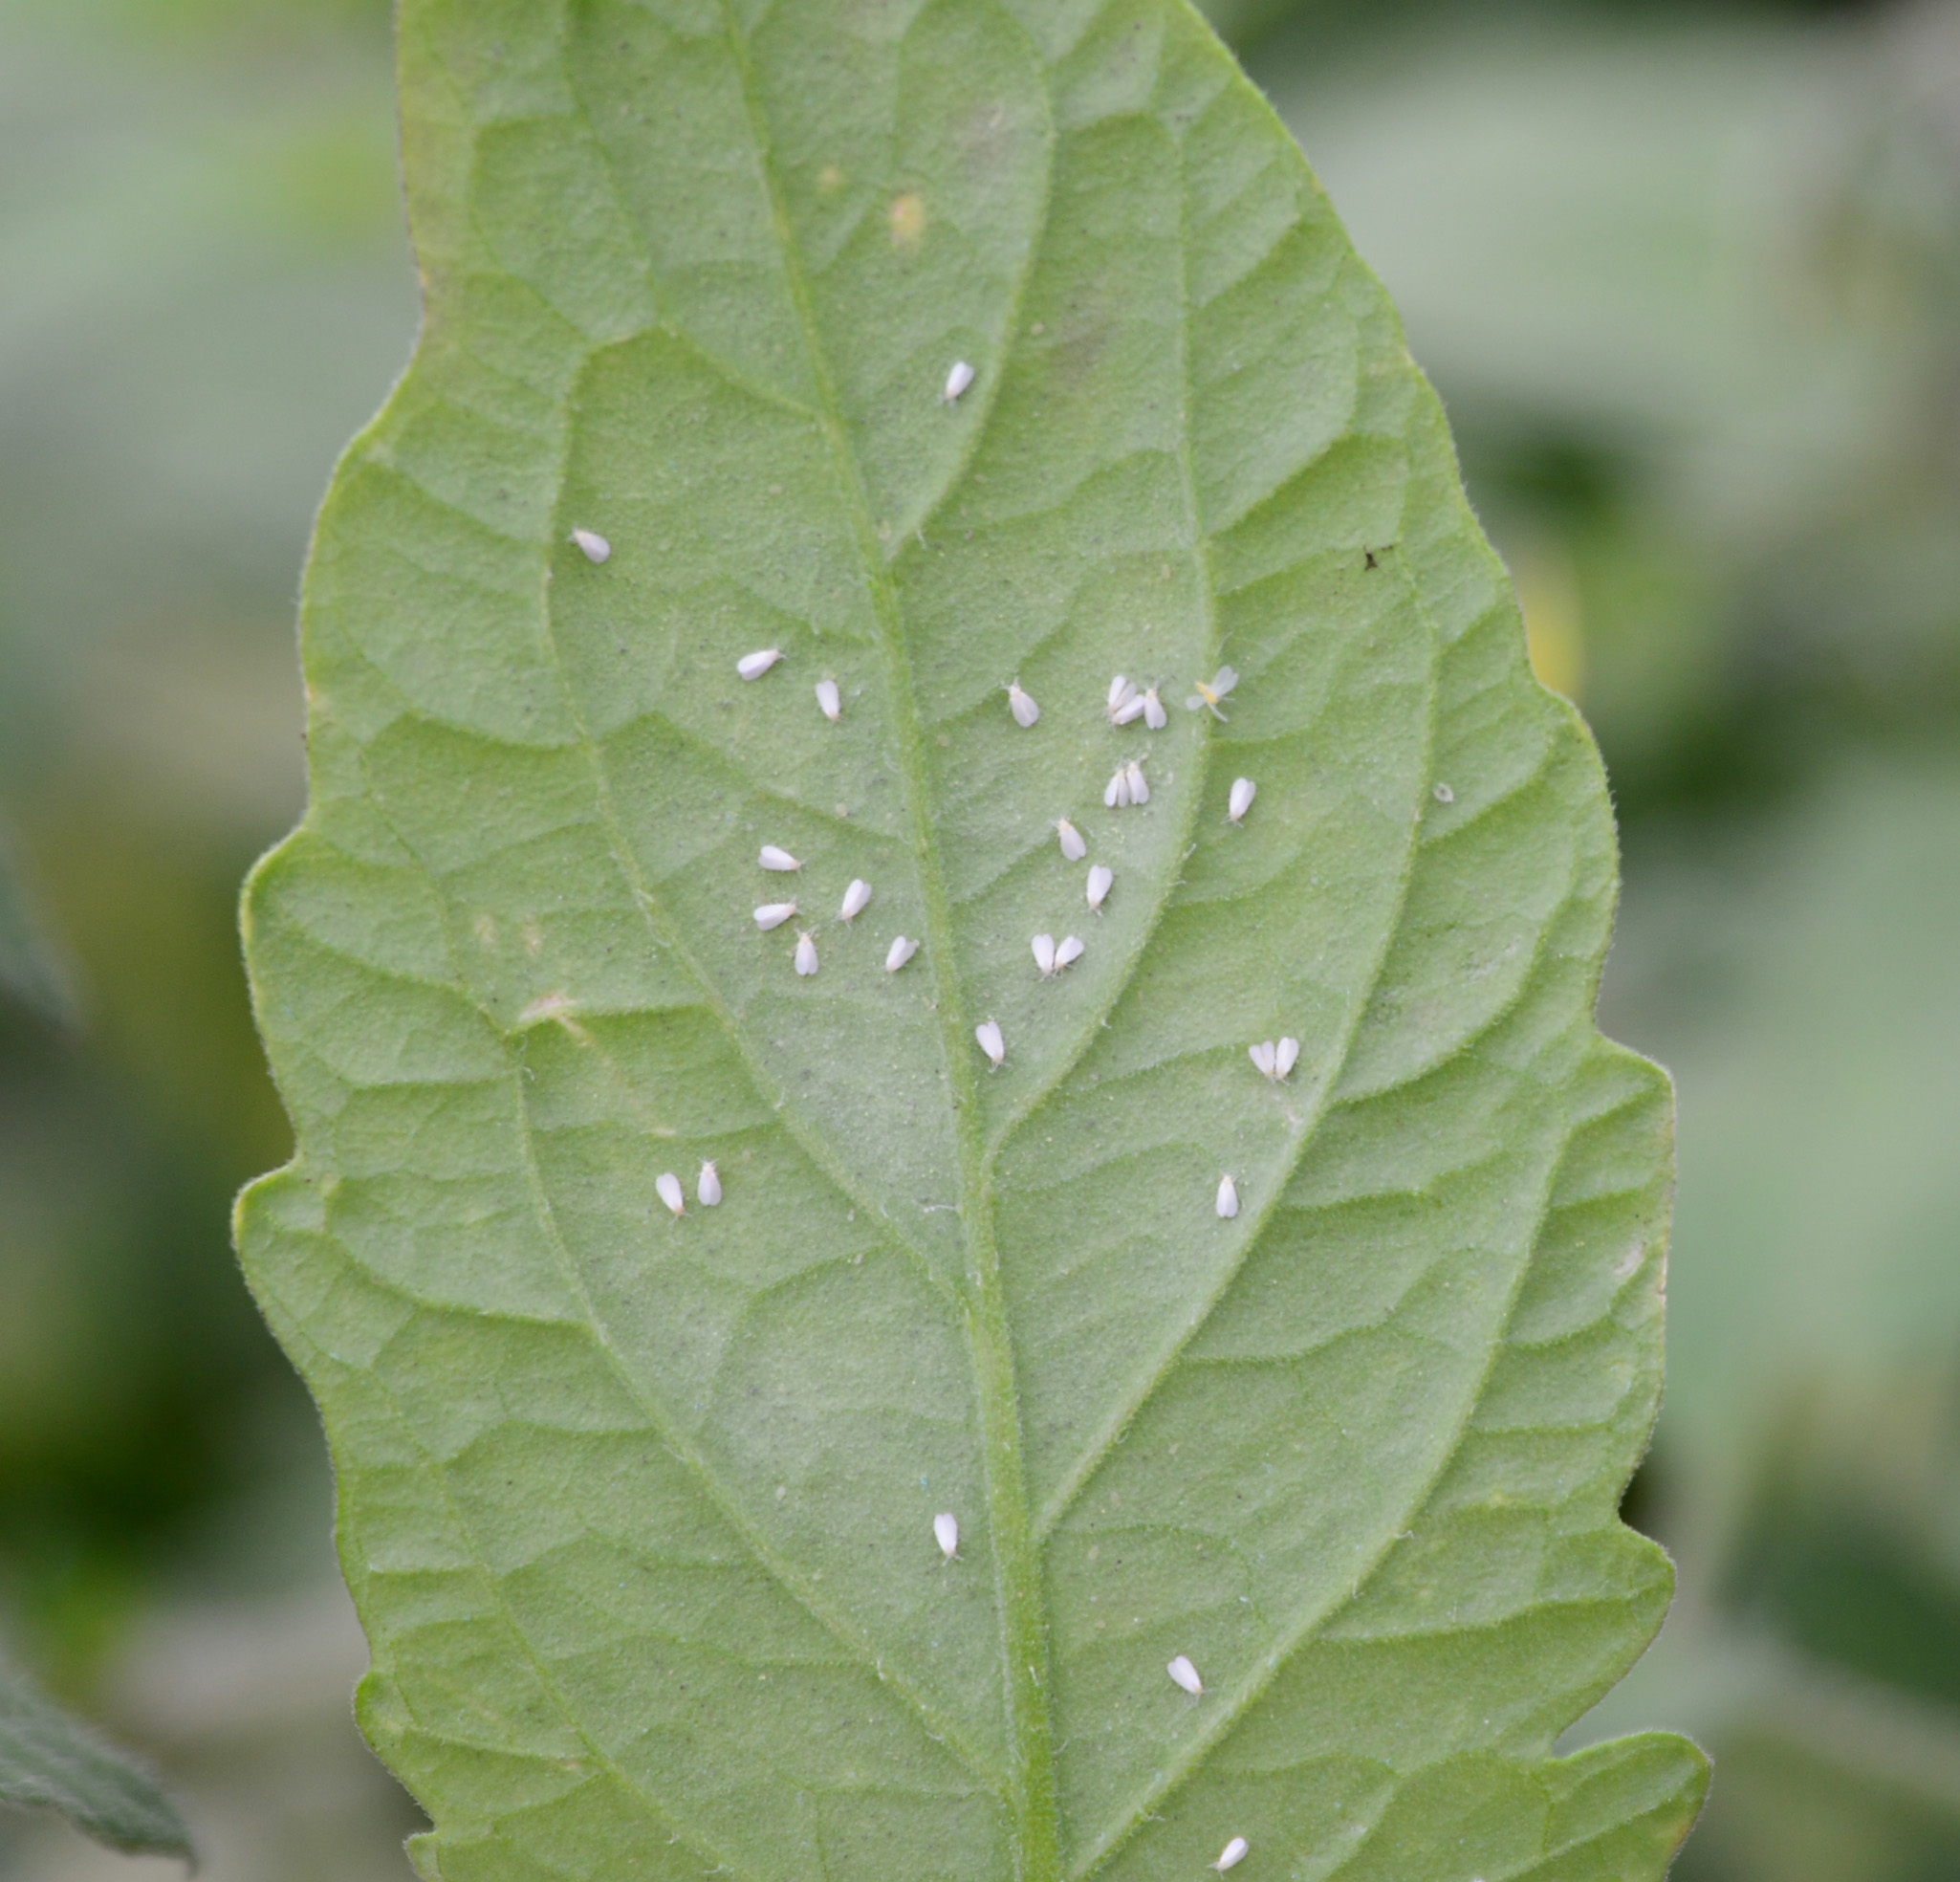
x=638, y=1509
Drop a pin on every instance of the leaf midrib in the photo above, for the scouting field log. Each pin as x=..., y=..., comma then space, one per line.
x=1034, y=1826
x=1016, y=1541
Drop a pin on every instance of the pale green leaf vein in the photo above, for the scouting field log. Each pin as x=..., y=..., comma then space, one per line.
x=726, y=1503
x=1031, y=1756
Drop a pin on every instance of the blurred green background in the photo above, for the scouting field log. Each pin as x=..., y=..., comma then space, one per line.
x=1688, y=277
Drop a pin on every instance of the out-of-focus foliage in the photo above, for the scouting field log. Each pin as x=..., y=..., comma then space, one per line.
x=206, y=289
x=31, y=973
x=49, y=1761
x=1693, y=294
x=1686, y=275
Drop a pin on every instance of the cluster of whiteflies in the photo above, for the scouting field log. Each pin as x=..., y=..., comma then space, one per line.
x=1124, y=703
x=707, y=1188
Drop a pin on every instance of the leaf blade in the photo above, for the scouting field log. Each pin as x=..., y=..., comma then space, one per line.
x=507, y=971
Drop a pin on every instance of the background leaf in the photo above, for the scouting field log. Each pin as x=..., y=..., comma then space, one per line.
x=638, y=1510
x=49, y=1761
x=31, y=971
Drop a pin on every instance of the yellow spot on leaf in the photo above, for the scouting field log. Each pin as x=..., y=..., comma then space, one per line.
x=908, y=219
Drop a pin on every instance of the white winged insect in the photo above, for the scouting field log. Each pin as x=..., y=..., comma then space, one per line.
x=1209, y=695
x=1275, y=1059
x=1021, y=705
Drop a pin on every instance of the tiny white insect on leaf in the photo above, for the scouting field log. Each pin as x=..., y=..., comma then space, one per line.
x=668, y=1187
x=592, y=545
x=1121, y=693
x=1133, y=777
x=1021, y=705
x=857, y=899
x=773, y=914
x=1264, y=1056
x=1186, y=1674
x=1232, y=1855
x=1243, y=792
x=1228, y=1198
x=753, y=665
x=899, y=952
x=1210, y=693
x=1286, y=1055
x=1043, y=946
x=987, y=1033
x=946, y=1532
x=1443, y=795
x=957, y=380
x=1101, y=878
x=707, y=1186
x=1068, y=951
x=1072, y=844
x=1117, y=791
x=1129, y=712
x=778, y=860
x=806, y=955
x=1154, y=714
x=830, y=702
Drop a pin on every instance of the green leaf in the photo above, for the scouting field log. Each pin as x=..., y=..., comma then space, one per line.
x=51, y=1761
x=639, y=1510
